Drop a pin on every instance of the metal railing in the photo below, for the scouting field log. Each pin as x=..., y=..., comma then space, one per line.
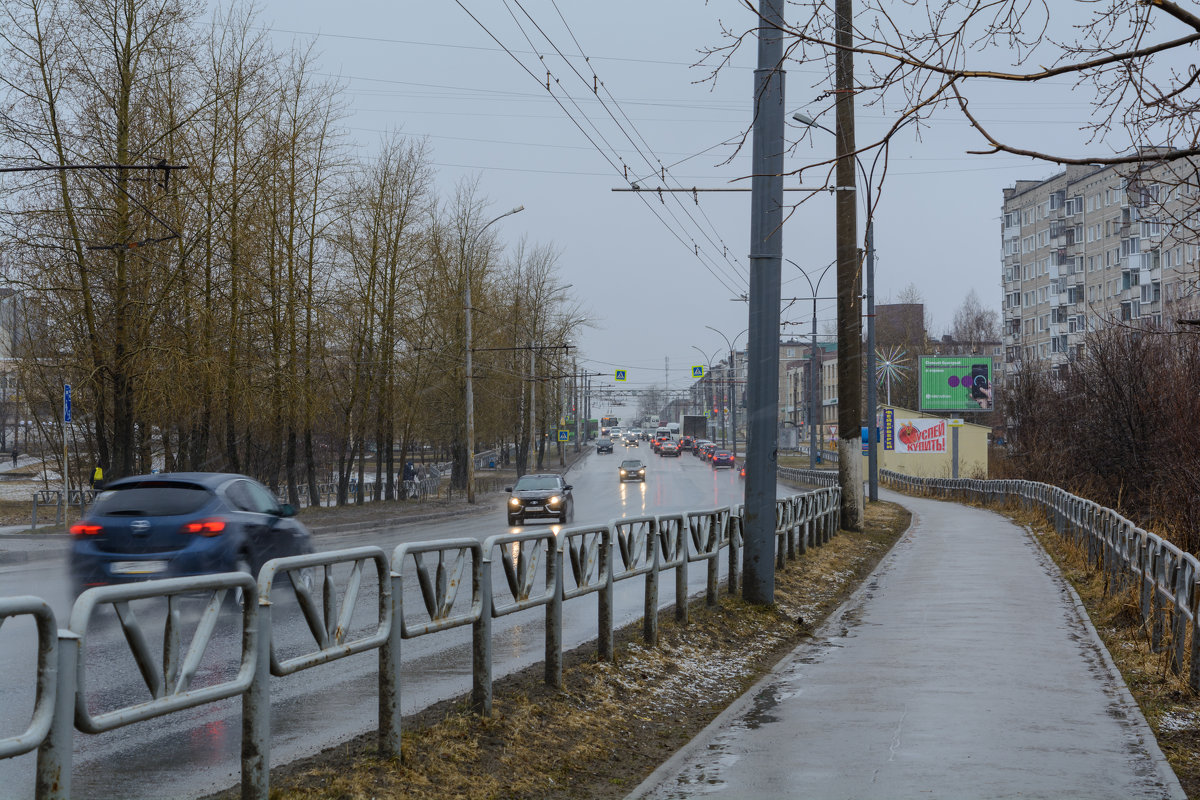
x=537, y=568
x=1164, y=577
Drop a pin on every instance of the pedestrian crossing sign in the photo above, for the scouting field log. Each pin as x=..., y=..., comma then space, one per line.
x=619, y=375
x=698, y=372
x=564, y=435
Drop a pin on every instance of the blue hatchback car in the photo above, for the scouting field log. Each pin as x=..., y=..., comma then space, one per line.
x=185, y=523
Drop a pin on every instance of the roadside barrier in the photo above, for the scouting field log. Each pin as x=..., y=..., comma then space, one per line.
x=1165, y=577
x=456, y=583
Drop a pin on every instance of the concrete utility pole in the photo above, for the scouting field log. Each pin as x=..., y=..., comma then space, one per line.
x=849, y=280
x=766, y=256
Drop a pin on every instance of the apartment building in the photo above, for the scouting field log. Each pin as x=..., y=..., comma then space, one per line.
x=1092, y=246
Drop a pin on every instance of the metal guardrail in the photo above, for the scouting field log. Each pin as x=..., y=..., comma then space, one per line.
x=570, y=563
x=1164, y=576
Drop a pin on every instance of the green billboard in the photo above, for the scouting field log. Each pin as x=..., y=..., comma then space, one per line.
x=956, y=383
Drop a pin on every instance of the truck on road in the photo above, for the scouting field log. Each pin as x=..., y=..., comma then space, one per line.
x=694, y=425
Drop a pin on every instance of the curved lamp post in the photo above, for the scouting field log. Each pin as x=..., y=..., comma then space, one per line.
x=732, y=384
x=707, y=378
x=814, y=382
x=470, y=254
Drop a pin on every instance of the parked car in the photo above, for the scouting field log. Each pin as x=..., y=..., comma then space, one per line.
x=541, y=495
x=722, y=458
x=170, y=525
x=632, y=470
x=604, y=445
x=668, y=448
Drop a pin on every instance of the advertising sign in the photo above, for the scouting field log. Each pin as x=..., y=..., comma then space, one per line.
x=956, y=383
x=889, y=429
x=921, y=436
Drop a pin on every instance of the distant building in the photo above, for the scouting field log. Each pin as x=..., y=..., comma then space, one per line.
x=1092, y=246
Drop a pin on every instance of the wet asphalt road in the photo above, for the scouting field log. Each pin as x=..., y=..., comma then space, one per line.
x=194, y=752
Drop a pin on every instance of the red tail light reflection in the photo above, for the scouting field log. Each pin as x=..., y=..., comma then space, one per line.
x=85, y=529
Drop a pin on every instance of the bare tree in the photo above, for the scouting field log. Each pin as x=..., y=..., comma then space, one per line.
x=973, y=324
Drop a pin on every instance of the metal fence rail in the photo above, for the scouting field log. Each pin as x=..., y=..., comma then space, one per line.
x=535, y=569
x=1128, y=557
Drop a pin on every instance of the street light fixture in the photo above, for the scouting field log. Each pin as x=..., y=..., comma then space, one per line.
x=732, y=384
x=869, y=207
x=470, y=254
x=813, y=381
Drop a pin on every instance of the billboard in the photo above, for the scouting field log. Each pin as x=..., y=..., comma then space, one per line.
x=956, y=383
x=920, y=436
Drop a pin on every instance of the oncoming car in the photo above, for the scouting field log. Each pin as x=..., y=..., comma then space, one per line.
x=170, y=525
x=546, y=496
x=604, y=445
x=632, y=470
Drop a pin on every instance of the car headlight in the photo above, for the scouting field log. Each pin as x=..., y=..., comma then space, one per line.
x=514, y=501
x=555, y=500
x=622, y=472
x=642, y=471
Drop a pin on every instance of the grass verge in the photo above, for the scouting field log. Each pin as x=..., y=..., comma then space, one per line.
x=612, y=723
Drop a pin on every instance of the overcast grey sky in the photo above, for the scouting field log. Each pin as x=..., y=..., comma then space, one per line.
x=429, y=70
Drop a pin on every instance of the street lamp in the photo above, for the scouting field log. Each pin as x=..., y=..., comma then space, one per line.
x=470, y=254
x=707, y=379
x=732, y=384
x=869, y=207
x=814, y=382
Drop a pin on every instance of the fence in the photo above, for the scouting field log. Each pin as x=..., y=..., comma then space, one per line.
x=571, y=563
x=1164, y=576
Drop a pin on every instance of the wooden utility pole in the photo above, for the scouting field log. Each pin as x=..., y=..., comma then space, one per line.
x=849, y=279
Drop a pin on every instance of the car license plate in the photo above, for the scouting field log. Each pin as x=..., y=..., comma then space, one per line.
x=533, y=507
x=138, y=567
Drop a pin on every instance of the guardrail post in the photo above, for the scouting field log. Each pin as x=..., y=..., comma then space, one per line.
x=55, y=754
x=605, y=599
x=389, y=679
x=35, y=506
x=735, y=542
x=1194, y=670
x=554, y=632
x=650, y=612
x=481, y=643
x=681, y=579
x=256, y=707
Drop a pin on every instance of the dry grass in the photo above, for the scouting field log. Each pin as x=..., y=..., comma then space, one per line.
x=1170, y=707
x=612, y=723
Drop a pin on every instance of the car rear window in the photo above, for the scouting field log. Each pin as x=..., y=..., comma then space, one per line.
x=157, y=499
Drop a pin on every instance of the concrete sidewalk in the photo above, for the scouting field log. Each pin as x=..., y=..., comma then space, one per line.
x=963, y=668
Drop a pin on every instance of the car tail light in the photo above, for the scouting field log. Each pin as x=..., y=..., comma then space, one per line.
x=85, y=529
x=204, y=527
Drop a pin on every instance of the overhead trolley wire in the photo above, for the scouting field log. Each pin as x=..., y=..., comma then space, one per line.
x=692, y=246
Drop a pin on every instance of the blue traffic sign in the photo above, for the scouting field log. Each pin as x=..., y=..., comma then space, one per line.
x=66, y=402
x=619, y=375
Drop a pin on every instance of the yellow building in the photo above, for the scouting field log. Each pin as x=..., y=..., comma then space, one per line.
x=922, y=445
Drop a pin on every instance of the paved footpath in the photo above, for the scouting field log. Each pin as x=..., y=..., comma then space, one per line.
x=962, y=668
